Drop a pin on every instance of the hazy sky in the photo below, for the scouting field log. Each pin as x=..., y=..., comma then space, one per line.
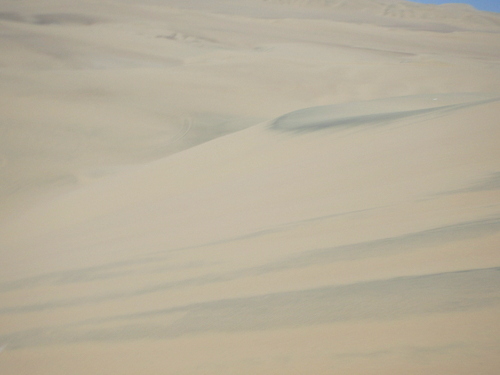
x=490, y=5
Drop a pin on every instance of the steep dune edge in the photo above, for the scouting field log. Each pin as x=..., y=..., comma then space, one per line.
x=90, y=91
x=258, y=179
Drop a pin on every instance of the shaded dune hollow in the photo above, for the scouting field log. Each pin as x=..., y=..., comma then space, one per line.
x=380, y=111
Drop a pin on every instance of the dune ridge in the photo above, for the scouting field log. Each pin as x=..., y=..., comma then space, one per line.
x=401, y=9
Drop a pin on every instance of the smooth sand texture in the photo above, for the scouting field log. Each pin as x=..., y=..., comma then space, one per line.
x=249, y=187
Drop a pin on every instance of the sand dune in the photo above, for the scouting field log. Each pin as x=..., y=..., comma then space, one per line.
x=241, y=187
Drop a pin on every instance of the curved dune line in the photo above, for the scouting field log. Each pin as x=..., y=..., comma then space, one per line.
x=181, y=133
x=185, y=128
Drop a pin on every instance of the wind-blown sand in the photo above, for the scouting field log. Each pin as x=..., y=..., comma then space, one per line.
x=249, y=187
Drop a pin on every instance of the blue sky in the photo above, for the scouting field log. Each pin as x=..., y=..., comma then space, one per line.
x=490, y=5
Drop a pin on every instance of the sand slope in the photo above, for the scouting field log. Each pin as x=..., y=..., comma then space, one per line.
x=215, y=189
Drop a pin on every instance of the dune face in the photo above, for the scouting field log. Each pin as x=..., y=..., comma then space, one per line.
x=249, y=187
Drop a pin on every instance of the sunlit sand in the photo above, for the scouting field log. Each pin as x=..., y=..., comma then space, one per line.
x=249, y=187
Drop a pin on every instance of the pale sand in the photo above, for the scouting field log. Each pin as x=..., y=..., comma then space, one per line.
x=249, y=187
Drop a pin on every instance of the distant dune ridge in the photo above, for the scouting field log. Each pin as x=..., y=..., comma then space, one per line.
x=251, y=186
x=396, y=8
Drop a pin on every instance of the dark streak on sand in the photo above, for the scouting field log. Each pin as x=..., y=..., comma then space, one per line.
x=374, y=300
x=350, y=252
x=298, y=121
x=488, y=183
